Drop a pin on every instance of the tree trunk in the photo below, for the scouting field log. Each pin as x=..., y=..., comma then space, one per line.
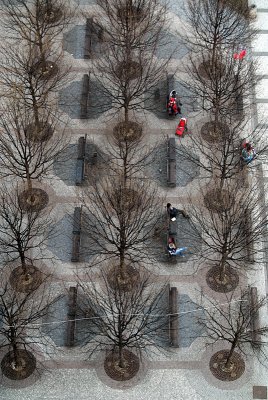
x=222, y=268
x=23, y=262
x=126, y=113
x=120, y=334
x=14, y=346
x=228, y=360
x=29, y=181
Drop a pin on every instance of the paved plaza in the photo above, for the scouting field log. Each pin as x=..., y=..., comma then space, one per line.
x=175, y=373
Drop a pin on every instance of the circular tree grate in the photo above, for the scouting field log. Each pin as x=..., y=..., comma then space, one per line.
x=130, y=365
x=40, y=132
x=25, y=279
x=127, y=131
x=227, y=372
x=49, y=13
x=19, y=367
x=129, y=198
x=218, y=200
x=130, y=13
x=125, y=278
x=212, y=132
x=45, y=69
x=129, y=70
x=222, y=281
x=207, y=71
x=33, y=199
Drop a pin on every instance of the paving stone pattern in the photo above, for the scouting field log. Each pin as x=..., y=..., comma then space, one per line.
x=180, y=373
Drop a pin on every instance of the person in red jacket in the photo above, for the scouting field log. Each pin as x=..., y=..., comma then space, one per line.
x=172, y=105
x=182, y=127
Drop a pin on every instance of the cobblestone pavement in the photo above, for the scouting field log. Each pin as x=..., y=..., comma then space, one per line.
x=175, y=374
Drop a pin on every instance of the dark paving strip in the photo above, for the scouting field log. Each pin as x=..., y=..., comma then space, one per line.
x=262, y=31
x=260, y=53
x=261, y=100
x=69, y=364
x=176, y=364
x=262, y=10
x=263, y=126
x=262, y=181
x=263, y=76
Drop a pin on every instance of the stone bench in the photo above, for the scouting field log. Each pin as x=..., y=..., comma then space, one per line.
x=170, y=86
x=171, y=258
x=94, y=32
x=71, y=315
x=77, y=223
x=171, y=162
x=84, y=97
x=248, y=237
x=239, y=105
x=255, y=321
x=173, y=317
x=80, y=162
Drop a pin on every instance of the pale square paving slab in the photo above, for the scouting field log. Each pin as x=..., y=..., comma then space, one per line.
x=169, y=383
x=262, y=21
x=262, y=65
x=162, y=384
x=260, y=3
x=262, y=109
x=262, y=88
x=260, y=43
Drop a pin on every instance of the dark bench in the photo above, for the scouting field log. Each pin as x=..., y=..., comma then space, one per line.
x=239, y=106
x=173, y=317
x=171, y=162
x=171, y=258
x=255, y=321
x=84, y=96
x=94, y=32
x=80, y=162
x=248, y=237
x=77, y=222
x=170, y=86
x=172, y=229
x=71, y=315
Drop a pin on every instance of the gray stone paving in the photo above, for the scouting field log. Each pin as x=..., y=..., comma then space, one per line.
x=186, y=171
x=189, y=327
x=73, y=41
x=181, y=374
x=70, y=100
x=155, y=101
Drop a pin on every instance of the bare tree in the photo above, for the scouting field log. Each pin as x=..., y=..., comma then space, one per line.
x=21, y=231
x=23, y=78
x=129, y=154
x=222, y=90
x=128, y=67
x=215, y=28
x=124, y=320
x=232, y=229
x=216, y=78
x=38, y=22
x=121, y=218
x=134, y=24
x=234, y=322
x=20, y=315
x=218, y=153
x=28, y=151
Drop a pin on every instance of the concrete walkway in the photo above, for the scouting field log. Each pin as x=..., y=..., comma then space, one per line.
x=181, y=373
